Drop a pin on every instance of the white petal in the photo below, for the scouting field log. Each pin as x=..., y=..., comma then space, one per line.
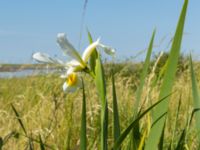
x=108, y=50
x=45, y=58
x=67, y=47
x=88, y=51
x=42, y=57
x=73, y=63
x=67, y=88
x=70, y=70
x=74, y=66
x=74, y=69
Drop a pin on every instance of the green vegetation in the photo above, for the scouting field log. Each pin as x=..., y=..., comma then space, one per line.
x=150, y=105
x=48, y=113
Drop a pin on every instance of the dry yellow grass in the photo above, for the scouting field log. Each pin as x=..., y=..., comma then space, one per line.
x=45, y=110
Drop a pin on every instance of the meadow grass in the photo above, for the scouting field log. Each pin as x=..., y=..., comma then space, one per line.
x=46, y=111
x=153, y=107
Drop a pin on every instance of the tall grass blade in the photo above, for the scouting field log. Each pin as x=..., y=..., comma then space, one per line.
x=135, y=137
x=181, y=142
x=125, y=133
x=196, y=97
x=101, y=88
x=68, y=140
x=161, y=142
x=142, y=141
x=144, y=74
x=176, y=123
x=168, y=80
x=19, y=119
x=9, y=136
x=116, y=123
x=159, y=118
x=92, y=61
x=69, y=132
x=192, y=115
x=42, y=146
x=83, y=139
x=30, y=144
x=1, y=143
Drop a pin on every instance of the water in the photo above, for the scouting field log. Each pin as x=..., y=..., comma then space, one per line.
x=26, y=72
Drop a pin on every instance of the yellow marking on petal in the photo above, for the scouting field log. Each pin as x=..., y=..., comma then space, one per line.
x=72, y=79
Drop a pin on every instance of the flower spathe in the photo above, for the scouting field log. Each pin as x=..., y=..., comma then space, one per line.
x=73, y=81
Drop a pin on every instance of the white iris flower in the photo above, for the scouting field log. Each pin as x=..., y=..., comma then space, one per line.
x=80, y=62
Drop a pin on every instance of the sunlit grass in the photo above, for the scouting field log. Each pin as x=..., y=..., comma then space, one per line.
x=116, y=107
x=45, y=110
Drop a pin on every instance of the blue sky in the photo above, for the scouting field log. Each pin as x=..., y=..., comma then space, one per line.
x=31, y=26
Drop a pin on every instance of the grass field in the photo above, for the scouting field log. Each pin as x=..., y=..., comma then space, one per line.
x=149, y=105
x=47, y=111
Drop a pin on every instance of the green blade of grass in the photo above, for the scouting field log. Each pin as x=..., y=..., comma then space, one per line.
x=181, y=142
x=30, y=144
x=161, y=142
x=19, y=119
x=69, y=132
x=135, y=137
x=176, y=123
x=1, y=143
x=83, y=139
x=42, y=146
x=196, y=97
x=31, y=139
x=133, y=123
x=192, y=115
x=101, y=88
x=93, y=57
x=116, y=123
x=9, y=136
x=144, y=74
x=168, y=80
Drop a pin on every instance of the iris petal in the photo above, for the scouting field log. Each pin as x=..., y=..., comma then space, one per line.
x=67, y=48
x=45, y=58
x=88, y=51
x=107, y=49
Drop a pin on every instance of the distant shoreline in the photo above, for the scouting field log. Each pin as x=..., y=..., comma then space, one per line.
x=20, y=67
